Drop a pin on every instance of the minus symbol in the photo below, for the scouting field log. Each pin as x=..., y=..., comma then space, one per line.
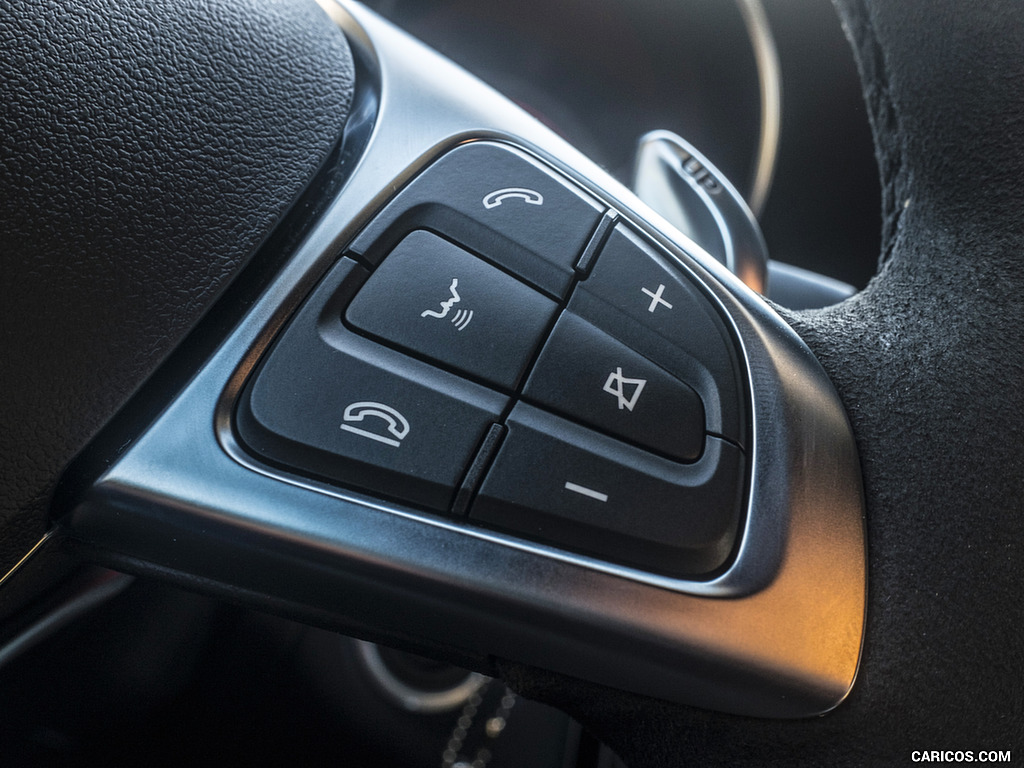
x=583, y=491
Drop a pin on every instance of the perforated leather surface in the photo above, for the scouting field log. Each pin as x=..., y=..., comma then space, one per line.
x=147, y=148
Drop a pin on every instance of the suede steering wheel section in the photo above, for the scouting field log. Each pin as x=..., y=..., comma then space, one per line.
x=929, y=362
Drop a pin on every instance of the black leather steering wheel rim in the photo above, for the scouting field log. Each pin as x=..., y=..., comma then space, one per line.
x=149, y=150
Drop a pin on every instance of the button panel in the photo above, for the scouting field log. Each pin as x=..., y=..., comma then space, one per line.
x=614, y=389
x=622, y=438
x=432, y=297
x=601, y=497
x=498, y=201
x=333, y=404
x=633, y=294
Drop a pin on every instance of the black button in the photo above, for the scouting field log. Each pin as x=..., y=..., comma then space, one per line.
x=434, y=298
x=496, y=201
x=331, y=403
x=584, y=373
x=556, y=482
x=632, y=291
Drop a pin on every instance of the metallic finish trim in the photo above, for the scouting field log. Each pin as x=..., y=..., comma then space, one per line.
x=35, y=548
x=413, y=699
x=682, y=185
x=785, y=642
x=769, y=80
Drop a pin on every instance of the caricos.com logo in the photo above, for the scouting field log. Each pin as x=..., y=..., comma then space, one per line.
x=960, y=756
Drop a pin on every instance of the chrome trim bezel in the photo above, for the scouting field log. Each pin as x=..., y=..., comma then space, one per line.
x=720, y=586
x=778, y=634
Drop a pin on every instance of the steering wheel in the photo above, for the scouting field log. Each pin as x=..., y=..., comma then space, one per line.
x=181, y=182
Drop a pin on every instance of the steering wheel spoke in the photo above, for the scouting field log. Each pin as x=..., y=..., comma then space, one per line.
x=242, y=485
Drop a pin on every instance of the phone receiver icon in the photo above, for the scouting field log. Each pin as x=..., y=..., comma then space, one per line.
x=499, y=196
x=391, y=426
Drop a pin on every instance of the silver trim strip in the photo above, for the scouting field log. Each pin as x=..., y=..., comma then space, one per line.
x=25, y=558
x=769, y=80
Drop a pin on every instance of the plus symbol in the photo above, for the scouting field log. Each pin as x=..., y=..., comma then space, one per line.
x=656, y=298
